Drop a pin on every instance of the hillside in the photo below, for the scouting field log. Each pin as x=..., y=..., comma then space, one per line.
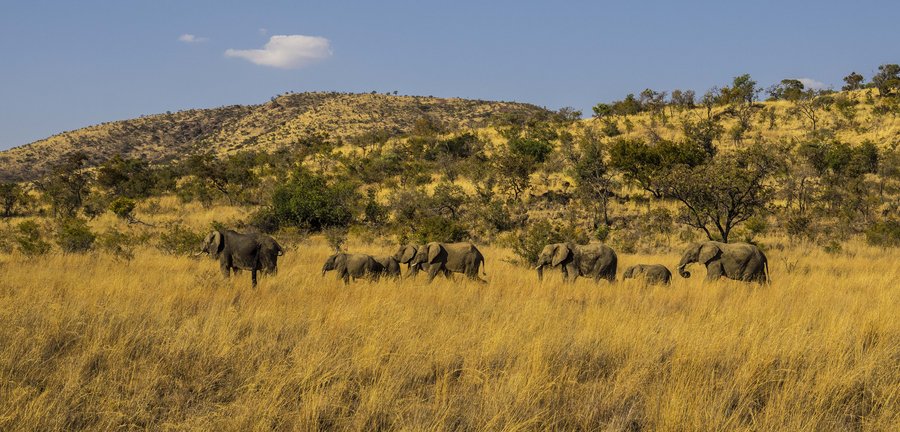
x=285, y=120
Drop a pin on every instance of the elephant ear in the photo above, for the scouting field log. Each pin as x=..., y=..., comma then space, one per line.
x=708, y=252
x=562, y=252
x=434, y=249
x=217, y=243
x=409, y=252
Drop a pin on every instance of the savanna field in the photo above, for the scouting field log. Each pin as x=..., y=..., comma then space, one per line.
x=162, y=342
x=109, y=322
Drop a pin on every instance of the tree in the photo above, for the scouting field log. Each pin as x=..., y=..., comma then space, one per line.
x=129, y=178
x=854, y=82
x=720, y=195
x=308, y=201
x=11, y=197
x=68, y=185
x=231, y=175
x=520, y=158
x=593, y=177
x=602, y=110
x=809, y=105
x=788, y=89
x=887, y=80
x=743, y=90
x=682, y=99
x=647, y=165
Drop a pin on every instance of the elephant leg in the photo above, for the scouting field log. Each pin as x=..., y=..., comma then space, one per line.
x=433, y=271
x=570, y=269
x=714, y=271
x=226, y=270
x=253, y=278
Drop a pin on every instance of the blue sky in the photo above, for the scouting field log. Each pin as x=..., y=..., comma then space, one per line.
x=69, y=64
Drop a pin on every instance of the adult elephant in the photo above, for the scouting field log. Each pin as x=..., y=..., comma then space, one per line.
x=592, y=260
x=450, y=258
x=738, y=261
x=390, y=266
x=651, y=273
x=236, y=251
x=355, y=266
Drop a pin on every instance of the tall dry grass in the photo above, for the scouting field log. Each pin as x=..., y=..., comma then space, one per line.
x=164, y=342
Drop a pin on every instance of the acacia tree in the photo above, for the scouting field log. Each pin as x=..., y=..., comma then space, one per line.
x=593, y=176
x=809, y=105
x=68, y=185
x=720, y=195
x=887, y=80
x=854, y=82
x=11, y=197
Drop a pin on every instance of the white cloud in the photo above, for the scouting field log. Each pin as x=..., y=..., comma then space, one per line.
x=263, y=31
x=810, y=83
x=189, y=38
x=286, y=51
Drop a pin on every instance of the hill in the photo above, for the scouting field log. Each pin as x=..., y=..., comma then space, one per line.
x=283, y=121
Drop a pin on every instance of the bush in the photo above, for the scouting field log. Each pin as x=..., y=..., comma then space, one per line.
x=179, y=240
x=308, y=201
x=439, y=229
x=29, y=239
x=117, y=244
x=123, y=208
x=74, y=236
x=265, y=220
x=529, y=244
x=884, y=234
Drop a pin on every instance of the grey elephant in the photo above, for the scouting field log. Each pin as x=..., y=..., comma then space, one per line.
x=738, y=261
x=593, y=260
x=355, y=266
x=405, y=255
x=447, y=258
x=650, y=273
x=236, y=252
x=390, y=266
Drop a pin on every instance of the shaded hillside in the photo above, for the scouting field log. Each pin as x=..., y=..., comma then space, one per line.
x=284, y=120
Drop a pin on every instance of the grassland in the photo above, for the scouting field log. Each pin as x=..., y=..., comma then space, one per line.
x=163, y=342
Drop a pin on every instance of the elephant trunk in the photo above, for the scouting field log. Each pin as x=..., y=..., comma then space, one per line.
x=540, y=272
x=682, y=272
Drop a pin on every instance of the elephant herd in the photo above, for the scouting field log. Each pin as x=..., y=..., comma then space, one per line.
x=259, y=253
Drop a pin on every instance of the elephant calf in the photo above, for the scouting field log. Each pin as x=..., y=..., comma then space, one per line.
x=389, y=266
x=651, y=273
x=354, y=266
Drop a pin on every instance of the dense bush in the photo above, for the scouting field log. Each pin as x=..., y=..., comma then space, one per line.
x=308, y=201
x=179, y=240
x=438, y=228
x=884, y=233
x=116, y=243
x=30, y=240
x=74, y=236
x=529, y=243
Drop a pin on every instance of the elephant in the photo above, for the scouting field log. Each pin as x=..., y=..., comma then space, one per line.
x=738, y=261
x=355, y=266
x=390, y=266
x=236, y=252
x=450, y=258
x=593, y=260
x=651, y=273
x=405, y=255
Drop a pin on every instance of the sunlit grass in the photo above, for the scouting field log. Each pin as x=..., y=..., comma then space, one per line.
x=164, y=342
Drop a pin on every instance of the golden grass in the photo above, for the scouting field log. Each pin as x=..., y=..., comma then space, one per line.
x=164, y=342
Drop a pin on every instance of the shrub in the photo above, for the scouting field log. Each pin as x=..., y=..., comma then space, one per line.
x=336, y=237
x=123, y=208
x=437, y=228
x=74, y=236
x=29, y=239
x=884, y=234
x=265, y=220
x=179, y=240
x=308, y=201
x=117, y=244
x=528, y=245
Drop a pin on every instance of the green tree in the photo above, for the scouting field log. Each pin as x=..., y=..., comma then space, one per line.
x=594, y=178
x=854, y=82
x=309, y=201
x=720, y=195
x=129, y=178
x=11, y=198
x=68, y=185
x=887, y=80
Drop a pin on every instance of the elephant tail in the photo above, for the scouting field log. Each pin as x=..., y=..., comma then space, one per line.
x=483, y=267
